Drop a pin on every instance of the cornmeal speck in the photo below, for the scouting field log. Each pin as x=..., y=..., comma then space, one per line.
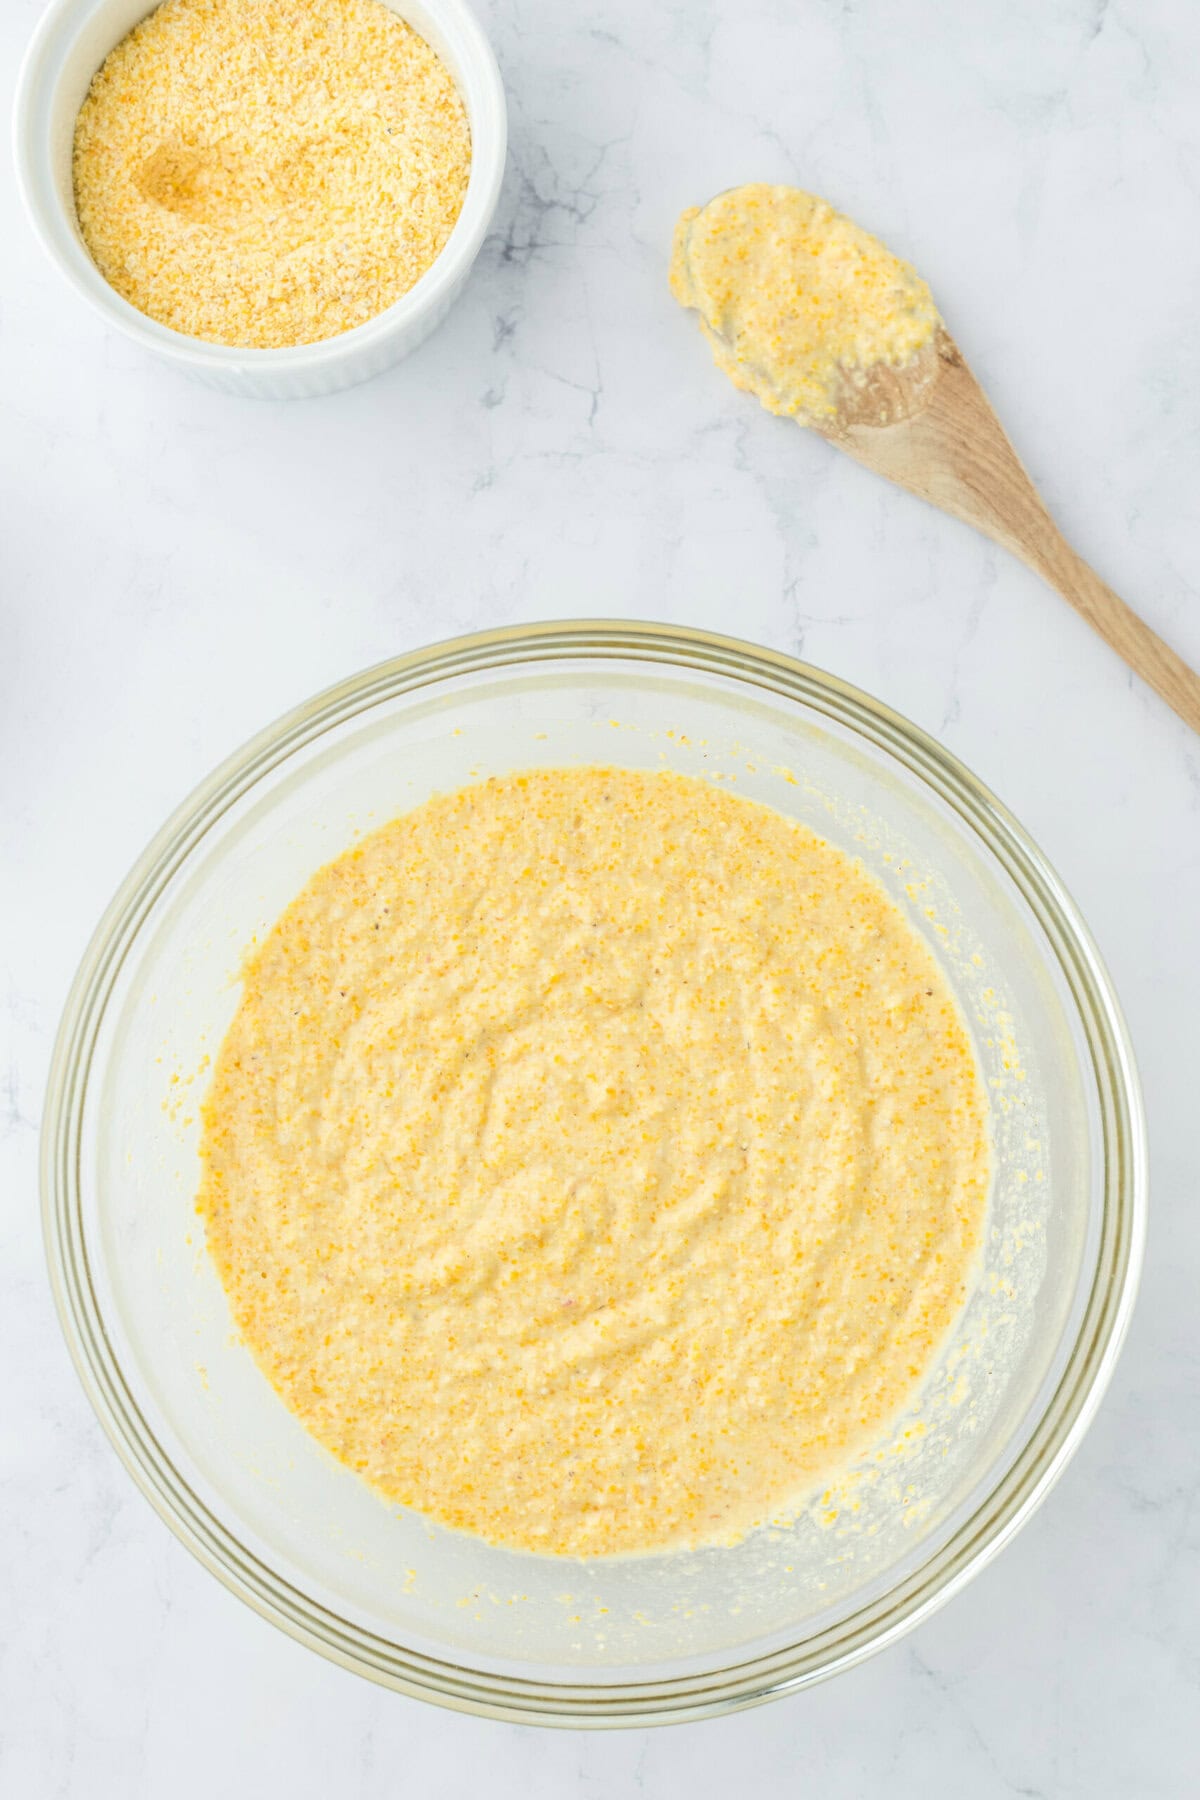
x=596, y=1160
x=269, y=172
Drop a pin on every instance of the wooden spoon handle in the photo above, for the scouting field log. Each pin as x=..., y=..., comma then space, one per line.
x=1118, y=624
x=938, y=437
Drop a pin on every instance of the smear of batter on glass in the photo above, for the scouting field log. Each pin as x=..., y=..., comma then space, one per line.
x=596, y=1160
x=795, y=298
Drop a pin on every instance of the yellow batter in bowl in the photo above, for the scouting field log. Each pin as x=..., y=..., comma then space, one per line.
x=596, y=1160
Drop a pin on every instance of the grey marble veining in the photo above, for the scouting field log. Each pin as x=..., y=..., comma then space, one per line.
x=179, y=567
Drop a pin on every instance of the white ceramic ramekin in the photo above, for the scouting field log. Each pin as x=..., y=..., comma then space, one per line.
x=72, y=41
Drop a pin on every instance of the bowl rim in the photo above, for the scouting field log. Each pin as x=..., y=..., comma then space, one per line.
x=482, y=90
x=996, y=1517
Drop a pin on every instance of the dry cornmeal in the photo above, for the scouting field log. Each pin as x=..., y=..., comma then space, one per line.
x=596, y=1160
x=269, y=172
x=793, y=297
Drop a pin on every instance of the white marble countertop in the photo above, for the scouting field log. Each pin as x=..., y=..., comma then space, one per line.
x=179, y=567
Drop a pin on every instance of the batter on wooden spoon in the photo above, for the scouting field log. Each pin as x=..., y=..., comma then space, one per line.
x=795, y=298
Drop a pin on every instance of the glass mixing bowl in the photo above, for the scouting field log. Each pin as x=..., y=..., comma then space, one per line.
x=441, y=1614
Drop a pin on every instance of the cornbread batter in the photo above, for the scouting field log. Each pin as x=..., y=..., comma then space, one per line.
x=595, y=1161
x=795, y=298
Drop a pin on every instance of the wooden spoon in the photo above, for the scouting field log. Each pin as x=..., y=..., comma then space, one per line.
x=929, y=427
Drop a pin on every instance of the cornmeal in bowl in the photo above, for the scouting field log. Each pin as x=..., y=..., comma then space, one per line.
x=266, y=173
x=596, y=1161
